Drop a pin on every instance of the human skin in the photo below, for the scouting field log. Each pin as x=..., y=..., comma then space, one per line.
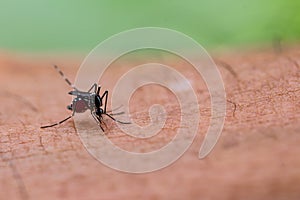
x=256, y=157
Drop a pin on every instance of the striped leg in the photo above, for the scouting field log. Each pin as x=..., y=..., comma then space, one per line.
x=62, y=121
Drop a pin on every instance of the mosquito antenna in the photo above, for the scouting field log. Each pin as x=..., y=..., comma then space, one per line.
x=63, y=76
x=62, y=121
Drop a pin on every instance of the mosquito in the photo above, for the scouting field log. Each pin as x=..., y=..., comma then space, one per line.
x=89, y=100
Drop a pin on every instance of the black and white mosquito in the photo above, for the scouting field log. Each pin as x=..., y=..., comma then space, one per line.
x=90, y=100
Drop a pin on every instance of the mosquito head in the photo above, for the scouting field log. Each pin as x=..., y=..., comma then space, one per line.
x=69, y=107
x=76, y=92
x=73, y=92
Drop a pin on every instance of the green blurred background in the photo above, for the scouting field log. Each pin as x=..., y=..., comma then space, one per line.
x=61, y=25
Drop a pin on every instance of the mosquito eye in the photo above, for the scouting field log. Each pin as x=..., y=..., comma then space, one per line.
x=69, y=107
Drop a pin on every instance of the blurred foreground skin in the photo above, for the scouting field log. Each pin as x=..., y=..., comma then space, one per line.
x=257, y=156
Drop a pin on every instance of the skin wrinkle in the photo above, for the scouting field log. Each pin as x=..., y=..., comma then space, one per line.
x=262, y=110
x=234, y=107
x=17, y=97
x=228, y=67
x=266, y=99
x=15, y=173
x=21, y=186
x=42, y=145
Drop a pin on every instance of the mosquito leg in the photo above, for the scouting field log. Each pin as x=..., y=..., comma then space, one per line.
x=62, y=121
x=93, y=86
x=105, y=94
x=98, y=120
x=101, y=127
x=95, y=118
x=115, y=119
x=119, y=113
x=117, y=108
x=98, y=90
x=74, y=109
x=102, y=122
